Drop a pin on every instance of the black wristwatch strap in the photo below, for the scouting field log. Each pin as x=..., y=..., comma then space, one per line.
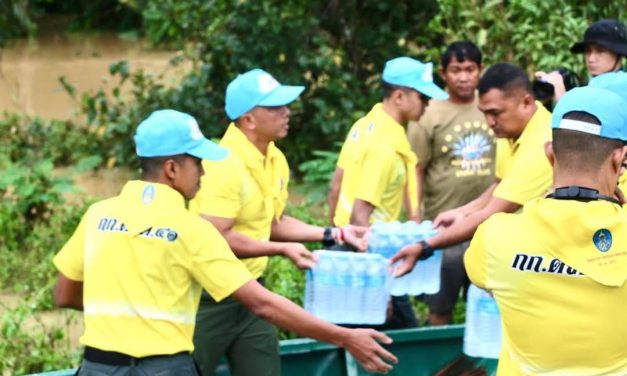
x=427, y=251
x=327, y=237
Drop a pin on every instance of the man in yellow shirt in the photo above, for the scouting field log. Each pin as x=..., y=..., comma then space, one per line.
x=558, y=269
x=137, y=263
x=376, y=169
x=522, y=170
x=244, y=197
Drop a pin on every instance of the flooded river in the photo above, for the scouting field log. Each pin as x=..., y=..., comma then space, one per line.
x=29, y=68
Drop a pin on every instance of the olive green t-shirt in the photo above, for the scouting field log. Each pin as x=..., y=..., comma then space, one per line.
x=457, y=149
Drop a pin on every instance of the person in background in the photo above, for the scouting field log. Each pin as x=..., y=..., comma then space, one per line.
x=376, y=169
x=604, y=46
x=456, y=152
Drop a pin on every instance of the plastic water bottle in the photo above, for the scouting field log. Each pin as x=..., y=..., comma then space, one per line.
x=342, y=287
x=322, y=287
x=355, y=290
x=483, y=334
x=377, y=291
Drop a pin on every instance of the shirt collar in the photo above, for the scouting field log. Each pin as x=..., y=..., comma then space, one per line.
x=537, y=121
x=152, y=194
x=236, y=140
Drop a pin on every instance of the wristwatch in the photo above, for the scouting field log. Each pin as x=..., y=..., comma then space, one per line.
x=327, y=237
x=427, y=251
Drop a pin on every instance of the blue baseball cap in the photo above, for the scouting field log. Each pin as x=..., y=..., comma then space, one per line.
x=168, y=132
x=613, y=81
x=608, y=107
x=257, y=88
x=407, y=72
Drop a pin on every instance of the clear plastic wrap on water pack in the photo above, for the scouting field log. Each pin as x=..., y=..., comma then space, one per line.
x=387, y=239
x=483, y=333
x=348, y=288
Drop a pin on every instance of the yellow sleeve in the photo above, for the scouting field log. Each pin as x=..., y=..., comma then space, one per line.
x=420, y=136
x=476, y=258
x=220, y=188
x=376, y=171
x=528, y=176
x=70, y=259
x=214, y=266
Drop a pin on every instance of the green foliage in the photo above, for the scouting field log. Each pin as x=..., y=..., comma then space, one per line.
x=536, y=35
x=31, y=193
x=62, y=142
x=31, y=345
x=336, y=49
x=14, y=20
x=317, y=173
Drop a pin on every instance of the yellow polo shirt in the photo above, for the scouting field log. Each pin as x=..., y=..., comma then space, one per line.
x=557, y=271
x=521, y=165
x=248, y=187
x=143, y=259
x=376, y=159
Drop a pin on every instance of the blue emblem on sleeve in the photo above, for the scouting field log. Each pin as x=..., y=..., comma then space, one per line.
x=602, y=240
x=149, y=194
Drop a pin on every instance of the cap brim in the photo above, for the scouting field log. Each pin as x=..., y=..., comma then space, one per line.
x=432, y=91
x=209, y=150
x=578, y=47
x=619, y=49
x=281, y=96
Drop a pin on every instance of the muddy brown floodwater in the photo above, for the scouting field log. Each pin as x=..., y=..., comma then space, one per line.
x=30, y=68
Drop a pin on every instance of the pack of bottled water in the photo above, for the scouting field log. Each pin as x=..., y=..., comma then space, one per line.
x=348, y=288
x=388, y=238
x=483, y=333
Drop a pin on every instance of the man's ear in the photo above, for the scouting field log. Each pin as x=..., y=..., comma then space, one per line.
x=247, y=121
x=548, y=151
x=528, y=99
x=618, y=158
x=397, y=95
x=170, y=168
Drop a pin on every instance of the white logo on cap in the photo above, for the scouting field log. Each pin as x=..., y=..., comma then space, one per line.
x=267, y=83
x=194, y=131
x=427, y=74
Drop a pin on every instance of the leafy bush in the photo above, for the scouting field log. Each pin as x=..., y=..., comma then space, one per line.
x=15, y=20
x=31, y=344
x=31, y=193
x=533, y=34
x=317, y=173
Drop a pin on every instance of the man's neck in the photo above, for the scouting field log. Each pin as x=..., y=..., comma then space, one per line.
x=462, y=101
x=259, y=142
x=394, y=113
x=527, y=119
x=599, y=181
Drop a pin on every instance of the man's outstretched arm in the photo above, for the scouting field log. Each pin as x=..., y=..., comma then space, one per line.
x=363, y=344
